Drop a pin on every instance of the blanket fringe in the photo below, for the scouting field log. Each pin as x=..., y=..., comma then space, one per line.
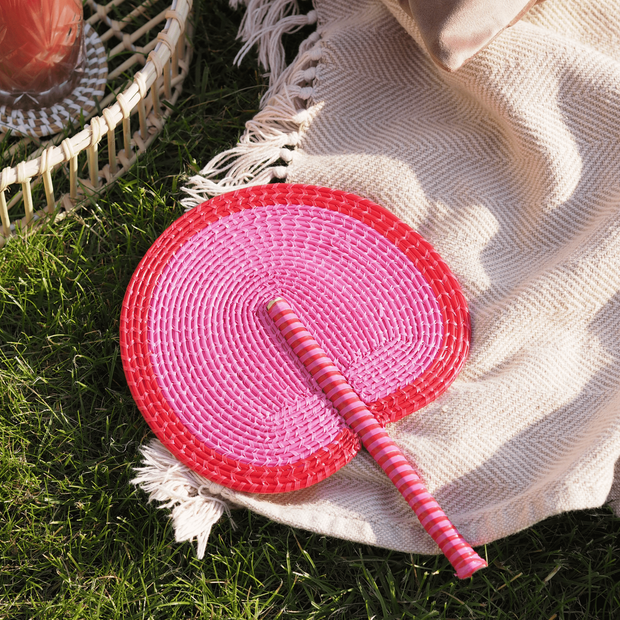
x=269, y=141
x=194, y=509
x=264, y=24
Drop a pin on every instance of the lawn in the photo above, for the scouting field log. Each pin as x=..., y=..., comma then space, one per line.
x=79, y=541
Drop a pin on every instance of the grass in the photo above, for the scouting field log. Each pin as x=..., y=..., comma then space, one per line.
x=77, y=541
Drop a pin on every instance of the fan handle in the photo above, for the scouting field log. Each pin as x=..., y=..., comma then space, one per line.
x=376, y=440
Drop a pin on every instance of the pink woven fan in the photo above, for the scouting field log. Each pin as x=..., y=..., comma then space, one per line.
x=270, y=332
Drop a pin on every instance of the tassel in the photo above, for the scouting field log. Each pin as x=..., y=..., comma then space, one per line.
x=252, y=161
x=270, y=137
x=194, y=507
x=267, y=32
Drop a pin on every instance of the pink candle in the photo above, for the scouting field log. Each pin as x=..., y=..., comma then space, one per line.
x=40, y=50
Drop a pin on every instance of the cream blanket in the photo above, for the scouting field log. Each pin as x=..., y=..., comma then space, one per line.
x=510, y=167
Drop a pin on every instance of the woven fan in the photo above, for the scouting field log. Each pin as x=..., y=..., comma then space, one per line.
x=270, y=332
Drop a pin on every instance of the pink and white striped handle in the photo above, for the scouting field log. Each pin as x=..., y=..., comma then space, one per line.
x=376, y=440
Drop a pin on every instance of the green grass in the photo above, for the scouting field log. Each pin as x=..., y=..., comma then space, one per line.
x=78, y=541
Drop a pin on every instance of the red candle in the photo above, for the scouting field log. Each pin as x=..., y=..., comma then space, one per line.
x=40, y=50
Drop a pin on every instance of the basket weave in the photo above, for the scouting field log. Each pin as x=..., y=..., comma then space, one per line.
x=165, y=63
x=216, y=381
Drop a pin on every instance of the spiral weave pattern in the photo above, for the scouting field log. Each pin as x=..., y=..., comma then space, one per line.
x=208, y=368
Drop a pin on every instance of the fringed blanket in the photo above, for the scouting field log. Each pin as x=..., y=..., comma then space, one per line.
x=510, y=167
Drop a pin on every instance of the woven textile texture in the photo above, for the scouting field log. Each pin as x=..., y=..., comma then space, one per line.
x=510, y=167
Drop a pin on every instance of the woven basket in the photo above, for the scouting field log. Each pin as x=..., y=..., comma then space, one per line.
x=164, y=60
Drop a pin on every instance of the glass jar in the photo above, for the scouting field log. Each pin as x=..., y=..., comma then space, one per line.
x=41, y=51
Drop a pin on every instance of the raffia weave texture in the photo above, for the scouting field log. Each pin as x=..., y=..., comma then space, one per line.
x=217, y=382
x=510, y=167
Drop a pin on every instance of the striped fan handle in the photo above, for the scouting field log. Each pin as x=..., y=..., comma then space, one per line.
x=376, y=440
